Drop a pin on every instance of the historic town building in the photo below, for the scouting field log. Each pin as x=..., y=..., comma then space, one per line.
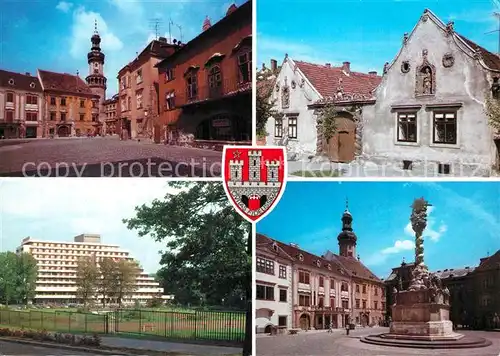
x=21, y=105
x=71, y=108
x=301, y=91
x=430, y=104
x=273, y=283
x=368, y=290
x=138, y=91
x=325, y=290
x=111, y=113
x=57, y=264
x=205, y=86
x=96, y=79
x=474, y=299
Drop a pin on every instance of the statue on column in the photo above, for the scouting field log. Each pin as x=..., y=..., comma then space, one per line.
x=419, y=223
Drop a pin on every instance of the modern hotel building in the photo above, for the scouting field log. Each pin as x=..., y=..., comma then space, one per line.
x=57, y=265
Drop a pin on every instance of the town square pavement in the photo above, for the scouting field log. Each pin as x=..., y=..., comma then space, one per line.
x=104, y=156
x=322, y=343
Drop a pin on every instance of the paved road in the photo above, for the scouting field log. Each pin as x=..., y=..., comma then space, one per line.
x=338, y=344
x=189, y=349
x=11, y=348
x=109, y=157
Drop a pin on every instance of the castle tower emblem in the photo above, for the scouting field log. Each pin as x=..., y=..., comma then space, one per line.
x=254, y=178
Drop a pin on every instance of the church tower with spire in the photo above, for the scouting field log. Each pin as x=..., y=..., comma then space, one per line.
x=347, y=238
x=96, y=79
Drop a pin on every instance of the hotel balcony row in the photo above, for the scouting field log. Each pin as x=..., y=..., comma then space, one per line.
x=73, y=289
x=202, y=94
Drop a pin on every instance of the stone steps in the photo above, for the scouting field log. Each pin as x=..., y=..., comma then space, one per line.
x=463, y=343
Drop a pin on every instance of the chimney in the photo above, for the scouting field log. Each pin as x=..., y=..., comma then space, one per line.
x=206, y=24
x=274, y=65
x=346, y=67
x=162, y=39
x=328, y=65
x=28, y=74
x=374, y=73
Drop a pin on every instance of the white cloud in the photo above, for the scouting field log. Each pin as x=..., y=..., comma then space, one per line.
x=64, y=6
x=82, y=30
x=431, y=231
x=399, y=245
x=59, y=209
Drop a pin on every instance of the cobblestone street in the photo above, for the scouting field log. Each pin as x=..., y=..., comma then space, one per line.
x=321, y=343
x=109, y=157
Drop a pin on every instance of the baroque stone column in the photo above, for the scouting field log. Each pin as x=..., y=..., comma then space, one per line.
x=418, y=219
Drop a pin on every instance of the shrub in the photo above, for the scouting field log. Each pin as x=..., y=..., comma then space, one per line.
x=96, y=339
x=5, y=332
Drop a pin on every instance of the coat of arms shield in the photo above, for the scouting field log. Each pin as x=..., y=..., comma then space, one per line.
x=254, y=178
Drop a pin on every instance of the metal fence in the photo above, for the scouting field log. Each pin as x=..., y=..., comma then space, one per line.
x=196, y=325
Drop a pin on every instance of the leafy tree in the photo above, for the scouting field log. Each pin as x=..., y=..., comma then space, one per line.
x=327, y=120
x=205, y=261
x=265, y=108
x=126, y=279
x=107, y=282
x=26, y=273
x=87, y=279
x=8, y=277
x=493, y=112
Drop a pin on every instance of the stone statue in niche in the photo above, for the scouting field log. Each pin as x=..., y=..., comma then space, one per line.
x=426, y=78
x=277, y=87
x=285, y=97
x=294, y=84
x=427, y=81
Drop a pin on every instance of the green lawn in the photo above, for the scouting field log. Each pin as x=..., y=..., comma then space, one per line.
x=190, y=324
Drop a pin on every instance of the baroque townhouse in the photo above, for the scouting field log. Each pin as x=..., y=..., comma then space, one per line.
x=71, y=108
x=273, y=286
x=21, y=105
x=206, y=85
x=138, y=91
x=328, y=289
x=111, y=115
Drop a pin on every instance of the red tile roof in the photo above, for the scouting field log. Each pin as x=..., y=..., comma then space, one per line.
x=19, y=81
x=355, y=266
x=64, y=83
x=307, y=258
x=490, y=59
x=327, y=80
x=489, y=263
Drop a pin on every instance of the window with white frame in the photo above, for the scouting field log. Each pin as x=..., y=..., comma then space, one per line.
x=170, y=101
x=139, y=76
x=138, y=99
x=407, y=127
x=278, y=128
x=292, y=127
x=445, y=127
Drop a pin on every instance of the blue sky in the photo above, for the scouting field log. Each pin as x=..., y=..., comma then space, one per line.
x=55, y=35
x=366, y=33
x=463, y=224
x=60, y=209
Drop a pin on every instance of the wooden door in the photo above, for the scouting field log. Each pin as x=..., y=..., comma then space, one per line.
x=341, y=146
